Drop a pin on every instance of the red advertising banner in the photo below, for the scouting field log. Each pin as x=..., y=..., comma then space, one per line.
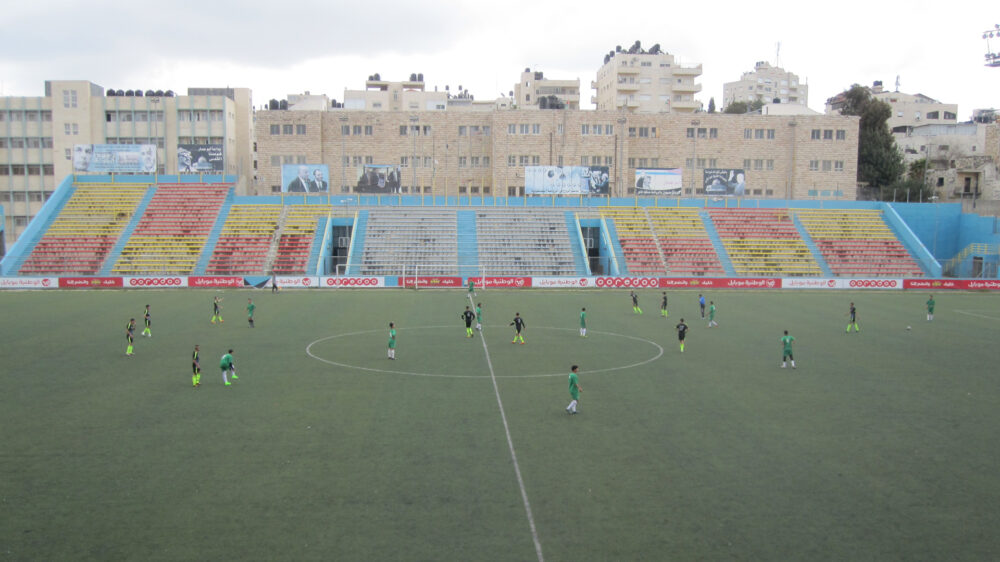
x=871, y=283
x=718, y=283
x=429, y=281
x=957, y=284
x=214, y=282
x=506, y=282
x=361, y=282
x=29, y=282
x=626, y=282
x=90, y=282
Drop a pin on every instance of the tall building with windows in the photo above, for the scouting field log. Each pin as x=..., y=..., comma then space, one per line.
x=535, y=91
x=640, y=81
x=908, y=110
x=38, y=135
x=766, y=83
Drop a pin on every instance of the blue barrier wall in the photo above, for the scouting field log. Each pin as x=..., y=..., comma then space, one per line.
x=937, y=225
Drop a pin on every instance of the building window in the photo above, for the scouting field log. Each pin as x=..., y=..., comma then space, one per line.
x=404, y=161
x=462, y=161
x=769, y=164
x=536, y=160
x=560, y=129
x=356, y=130
x=758, y=134
x=402, y=130
x=584, y=160
x=356, y=161
x=838, y=166
x=746, y=163
x=462, y=130
x=286, y=129
x=933, y=114
x=300, y=129
x=712, y=163
x=369, y=130
x=288, y=159
x=747, y=133
x=770, y=134
x=524, y=128
x=643, y=162
x=631, y=162
x=814, y=165
x=511, y=161
x=584, y=129
x=816, y=134
x=713, y=133
x=690, y=132
x=512, y=129
x=522, y=160
x=827, y=165
x=631, y=131
x=345, y=130
x=702, y=133
x=949, y=115
x=689, y=163
x=827, y=134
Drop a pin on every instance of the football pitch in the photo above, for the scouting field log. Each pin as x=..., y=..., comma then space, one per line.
x=881, y=445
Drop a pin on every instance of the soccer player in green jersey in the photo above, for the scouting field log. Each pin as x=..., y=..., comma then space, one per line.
x=146, y=318
x=930, y=308
x=518, y=324
x=583, y=322
x=195, y=368
x=472, y=287
x=635, y=303
x=217, y=310
x=251, y=307
x=711, y=314
x=479, y=316
x=682, y=329
x=392, y=341
x=129, y=332
x=468, y=316
x=786, y=353
x=228, y=367
x=853, y=321
x=663, y=306
x=574, y=390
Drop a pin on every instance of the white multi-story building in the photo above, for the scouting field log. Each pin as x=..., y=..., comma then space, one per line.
x=639, y=81
x=766, y=83
x=908, y=110
x=535, y=91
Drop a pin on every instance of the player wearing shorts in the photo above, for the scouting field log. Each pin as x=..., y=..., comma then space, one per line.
x=129, y=334
x=853, y=315
x=479, y=316
x=392, y=341
x=574, y=390
x=251, y=307
x=228, y=367
x=682, y=329
x=701, y=304
x=146, y=318
x=930, y=308
x=217, y=310
x=711, y=314
x=663, y=306
x=786, y=351
x=583, y=322
x=635, y=303
x=468, y=316
x=518, y=324
x=472, y=287
x=195, y=368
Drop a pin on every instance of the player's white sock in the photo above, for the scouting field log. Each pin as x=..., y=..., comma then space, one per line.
x=479, y=327
x=783, y=365
x=225, y=379
x=793, y=363
x=572, y=406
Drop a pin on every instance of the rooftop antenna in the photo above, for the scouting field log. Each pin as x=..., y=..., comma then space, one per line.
x=777, y=55
x=897, y=82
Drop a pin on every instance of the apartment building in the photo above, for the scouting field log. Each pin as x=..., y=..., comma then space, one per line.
x=766, y=83
x=535, y=91
x=962, y=157
x=485, y=153
x=38, y=135
x=640, y=81
x=908, y=110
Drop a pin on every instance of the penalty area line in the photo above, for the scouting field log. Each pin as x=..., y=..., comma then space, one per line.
x=513, y=454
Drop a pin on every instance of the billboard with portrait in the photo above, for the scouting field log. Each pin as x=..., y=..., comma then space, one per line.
x=198, y=158
x=725, y=182
x=660, y=182
x=566, y=180
x=379, y=178
x=305, y=178
x=118, y=158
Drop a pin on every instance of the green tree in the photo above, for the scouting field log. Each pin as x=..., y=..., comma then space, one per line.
x=738, y=107
x=711, y=105
x=879, y=162
x=913, y=187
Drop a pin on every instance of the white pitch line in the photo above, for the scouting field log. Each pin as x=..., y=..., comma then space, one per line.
x=977, y=315
x=510, y=446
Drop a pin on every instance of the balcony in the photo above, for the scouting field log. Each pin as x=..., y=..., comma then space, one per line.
x=626, y=87
x=685, y=106
x=627, y=69
x=687, y=70
x=687, y=88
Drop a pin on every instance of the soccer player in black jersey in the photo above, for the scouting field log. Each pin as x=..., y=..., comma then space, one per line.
x=518, y=324
x=682, y=329
x=129, y=333
x=146, y=318
x=468, y=316
x=663, y=306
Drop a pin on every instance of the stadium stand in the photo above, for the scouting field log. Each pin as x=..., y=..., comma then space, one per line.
x=399, y=238
x=684, y=242
x=173, y=230
x=297, y=231
x=764, y=243
x=637, y=239
x=245, y=241
x=858, y=243
x=80, y=238
x=524, y=242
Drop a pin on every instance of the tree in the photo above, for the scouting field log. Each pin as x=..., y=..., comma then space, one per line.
x=879, y=161
x=711, y=105
x=739, y=107
x=913, y=187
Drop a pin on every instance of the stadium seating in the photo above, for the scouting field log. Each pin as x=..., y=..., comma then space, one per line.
x=637, y=239
x=764, y=243
x=398, y=240
x=82, y=235
x=295, y=241
x=245, y=240
x=858, y=243
x=524, y=242
x=173, y=230
x=684, y=242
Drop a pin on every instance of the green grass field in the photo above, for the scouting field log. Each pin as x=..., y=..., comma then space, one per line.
x=881, y=445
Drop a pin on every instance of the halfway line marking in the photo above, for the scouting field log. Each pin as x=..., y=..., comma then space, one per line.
x=513, y=455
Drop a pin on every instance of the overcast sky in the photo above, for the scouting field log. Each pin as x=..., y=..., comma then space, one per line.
x=281, y=48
